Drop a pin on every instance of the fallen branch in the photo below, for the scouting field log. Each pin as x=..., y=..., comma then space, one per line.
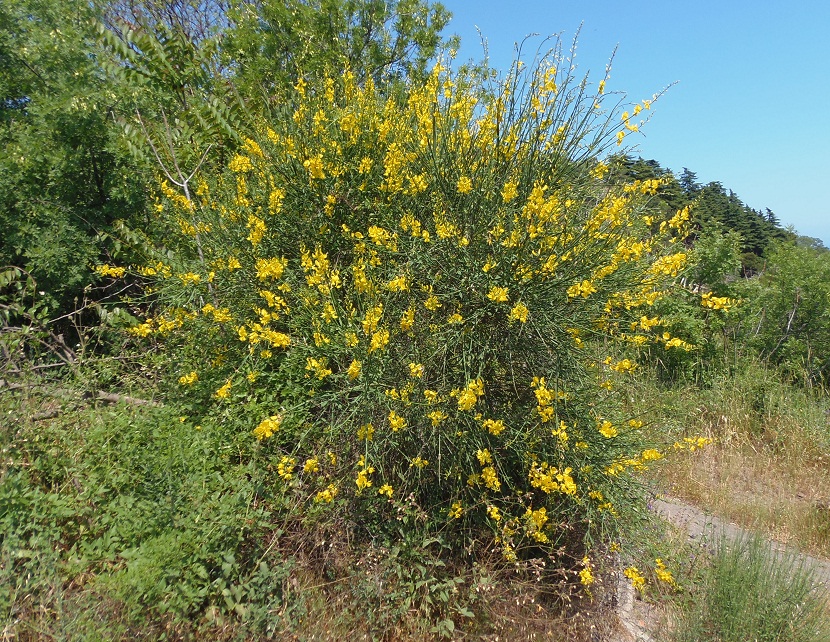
x=108, y=397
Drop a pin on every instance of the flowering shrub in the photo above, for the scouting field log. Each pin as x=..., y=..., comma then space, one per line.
x=411, y=300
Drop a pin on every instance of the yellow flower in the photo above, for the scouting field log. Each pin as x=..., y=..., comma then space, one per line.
x=396, y=422
x=224, y=391
x=372, y=318
x=398, y=284
x=497, y=294
x=267, y=427
x=484, y=457
x=468, y=397
x=535, y=523
x=408, y=320
x=607, y=430
x=637, y=580
x=240, y=164
x=189, y=379
x=270, y=268
x=651, y=455
x=509, y=192
x=432, y=303
x=416, y=370
x=386, y=489
x=311, y=465
x=585, y=575
x=354, y=369
x=418, y=462
x=365, y=166
x=584, y=289
x=190, y=277
x=379, y=340
x=314, y=166
x=490, y=478
x=494, y=427
x=663, y=573
x=464, y=185
x=327, y=495
x=367, y=432
x=436, y=417
x=494, y=513
x=456, y=510
x=285, y=469
x=519, y=313
x=362, y=480
x=318, y=367
x=108, y=270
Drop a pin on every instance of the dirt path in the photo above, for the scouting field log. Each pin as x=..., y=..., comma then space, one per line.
x=641, y=620
x=704, y=527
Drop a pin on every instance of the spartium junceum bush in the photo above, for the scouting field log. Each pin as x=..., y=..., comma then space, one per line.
x=410, y=302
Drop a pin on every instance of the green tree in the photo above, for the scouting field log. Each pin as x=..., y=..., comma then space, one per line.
x=272, y=42
x=788, y=311
x=63, y=177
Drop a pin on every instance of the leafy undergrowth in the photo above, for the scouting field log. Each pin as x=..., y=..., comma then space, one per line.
x=127, y=522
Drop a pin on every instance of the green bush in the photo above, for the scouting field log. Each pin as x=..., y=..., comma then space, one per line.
x=413, y=304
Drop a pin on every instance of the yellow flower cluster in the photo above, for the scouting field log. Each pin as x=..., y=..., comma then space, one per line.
x=707, y=300
x=468, y=397
x=267, y=427
x=663, y=574
x=327, y=495
x=586, y=576
x=362, y=480
x=637, y=580
x=285, y=467
x=109, y=270
x=366, y=431
x=535, y=521
x=551, y=480
x=270, y=268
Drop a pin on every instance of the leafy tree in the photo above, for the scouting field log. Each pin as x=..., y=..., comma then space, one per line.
x=273, y=42
x=715, y=260
x=63, y=177
x=787, y=311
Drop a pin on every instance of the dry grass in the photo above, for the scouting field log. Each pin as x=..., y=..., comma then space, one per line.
x=769, y=468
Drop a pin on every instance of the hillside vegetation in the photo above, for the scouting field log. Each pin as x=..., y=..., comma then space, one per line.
x=309, y=331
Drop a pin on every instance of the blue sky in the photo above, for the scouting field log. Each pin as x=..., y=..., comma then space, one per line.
x=749, y=104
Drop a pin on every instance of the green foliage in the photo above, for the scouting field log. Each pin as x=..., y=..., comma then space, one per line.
x=715, y=260
x=786, y=318
x=159, y=511
x=63, y=179
x=752, y=592
x=398, y=299
x=273, y=43
x=701, y=312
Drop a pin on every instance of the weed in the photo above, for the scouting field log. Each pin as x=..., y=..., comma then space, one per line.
x=752, y=592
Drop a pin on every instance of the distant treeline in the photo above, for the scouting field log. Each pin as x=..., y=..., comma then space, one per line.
x=714, y=204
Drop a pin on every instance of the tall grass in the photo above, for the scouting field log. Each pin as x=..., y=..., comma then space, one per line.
x=752, y=592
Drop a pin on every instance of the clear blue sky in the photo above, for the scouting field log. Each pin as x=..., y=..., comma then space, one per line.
x=751, y=103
